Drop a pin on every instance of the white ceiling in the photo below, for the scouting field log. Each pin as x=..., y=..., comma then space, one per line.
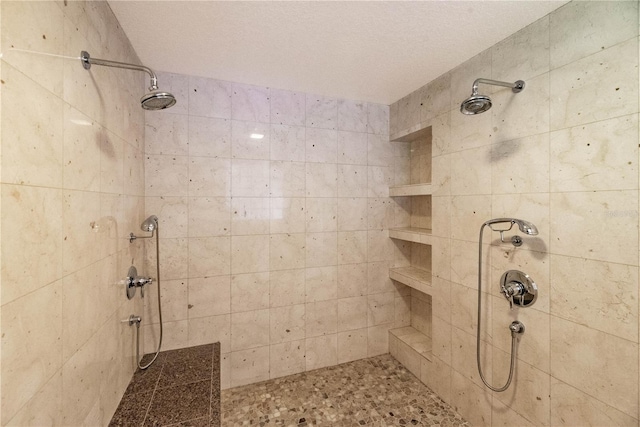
x=363, y=50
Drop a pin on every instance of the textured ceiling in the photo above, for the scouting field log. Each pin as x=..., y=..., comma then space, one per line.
x=364, y=50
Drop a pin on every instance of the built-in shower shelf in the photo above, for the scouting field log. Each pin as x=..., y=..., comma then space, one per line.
x=409, y=346
x=412, y=234
x=411, y=190
x=413, y=277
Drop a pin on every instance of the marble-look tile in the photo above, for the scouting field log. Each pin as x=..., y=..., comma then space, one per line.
x=209, y=98
x=31, y=345
x=209, y=177
x=529, y=392
x=595, y=156
x=352, y=313
x=378, y=181
x=171, y=213
x=533, y=207
x=249, y=254
x=249, y=329
x=352, y=345
x=166, y=134
x=380, y=308
x=209, y=256
x=522, y=55
x=352, y=247
x=409, y=111
x=470, y=131
x=81, y=161
x=287, y=323
x=321, y=318
x=578, y=295
x=321, y=112
x=507, y=158
x=463, y=356
x=250, y=103
x=379, y=246
x=352, y=280
x=321, y=180
x=44, y=408
x=288, y=143
x=321, y=351
x=464, y=311
x=209, y=137
x=210, y=329
x=166, y=175
x=503, y=416
x=378, y=339
x=378, y=280
x=352, y=181
x=437, y=376
x=287, y=287
x=441, y=175
x=286, y=358
x=321, y=283
x=572, y=407
x=249, y=292
x=244, y=141
x=250, y=215
x=351, y=148
x=436, y=97
x=517, y=116
x=378, y=119
x=470, y=399
x=352, y=214
x=352, y=115
x=209, y=216
x=598, y=87
x=287, y=215
x=32, y=147
x=580, y=29
x=209, y=296
x=467, y=214
x=321, y=215
x=31, y=223
x=173, y=258
x=178, y=85
x=287, y=108
x=286, y=251
x=165, y=409
x=595, y=369
x=470, y=172
x=595, y=225
x=321, y=249
x=383, y=213
x=287, y=179
x=250, y=178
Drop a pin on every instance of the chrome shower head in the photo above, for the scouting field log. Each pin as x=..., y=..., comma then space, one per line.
x=157, y=100
x=150, y=224
x=525, y=226
x=477, y=104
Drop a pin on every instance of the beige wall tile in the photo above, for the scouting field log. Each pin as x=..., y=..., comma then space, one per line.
x=321, y=351
x=321, y=214
x=250, y=178
x=352, y=115
x=437, y=376
x=352, y=314
x=352, y=345
x=469, y=172
x=287, y=323
x=378, y=339
x=249, y=292
x=249, y=254
x=378, y=119
x=210, y=329
x=209, y=137
x=321, y=283
x=321, y=112
x=166, y=175
x=244, y=146
x=209, y=98
x=287, y=358
x=321, y=249
x=463, y=76
x=507, y=157
x=287, y=215
x=209, y=256
x=287, y=179
x=321, y=180
x=249, y=329
x=287, y=142
x=209, y=177
x=210, y=216
x=287, y=251
x=166, y=134
x=471, y=400
x=321, y=318
x=352, y=214
x=287, y=287
x=351, y=148
x=595, y=369
x=380, y=308
x=249, y=366
x=172, y=215
x=249, y=215
x=287, y=107
x=352, y=280
x=321, y=145
x=45, y=408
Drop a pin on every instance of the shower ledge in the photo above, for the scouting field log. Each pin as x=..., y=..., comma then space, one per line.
x=413, y=277
x=411, y=190
x=408, y=345
x=412, y=234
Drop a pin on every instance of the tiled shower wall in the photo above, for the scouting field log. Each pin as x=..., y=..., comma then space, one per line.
x=562, y=154
x=72, y=187
x=276, y=247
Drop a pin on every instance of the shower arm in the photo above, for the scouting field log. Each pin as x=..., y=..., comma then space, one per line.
x=517, y=86
x=88, y=61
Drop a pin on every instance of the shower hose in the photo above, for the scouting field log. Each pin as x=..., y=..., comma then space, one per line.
x=138, y=360
x=514, y=338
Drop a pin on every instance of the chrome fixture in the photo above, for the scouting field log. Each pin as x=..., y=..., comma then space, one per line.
x=516, y=287
x=133, y=281
x=154, y=100
x=133, y=320
x=149, y=225
x=477, y=104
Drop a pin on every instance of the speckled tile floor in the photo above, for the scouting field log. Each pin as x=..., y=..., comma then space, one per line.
x=181, y=388
x=377, y=391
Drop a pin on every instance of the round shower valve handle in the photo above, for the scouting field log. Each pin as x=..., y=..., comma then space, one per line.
x=518, y=288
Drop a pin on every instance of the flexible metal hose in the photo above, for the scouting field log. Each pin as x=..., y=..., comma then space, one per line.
x=513, y=334
x=159, y=312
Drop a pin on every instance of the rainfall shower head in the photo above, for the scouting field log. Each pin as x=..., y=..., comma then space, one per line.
x=150, y=224
x=477, y=104
x=525, y=226
x=155, y=100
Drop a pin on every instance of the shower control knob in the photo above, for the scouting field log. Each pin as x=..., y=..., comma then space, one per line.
x=518, y=288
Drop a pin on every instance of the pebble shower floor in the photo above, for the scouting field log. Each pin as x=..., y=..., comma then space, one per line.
x=377, y=391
